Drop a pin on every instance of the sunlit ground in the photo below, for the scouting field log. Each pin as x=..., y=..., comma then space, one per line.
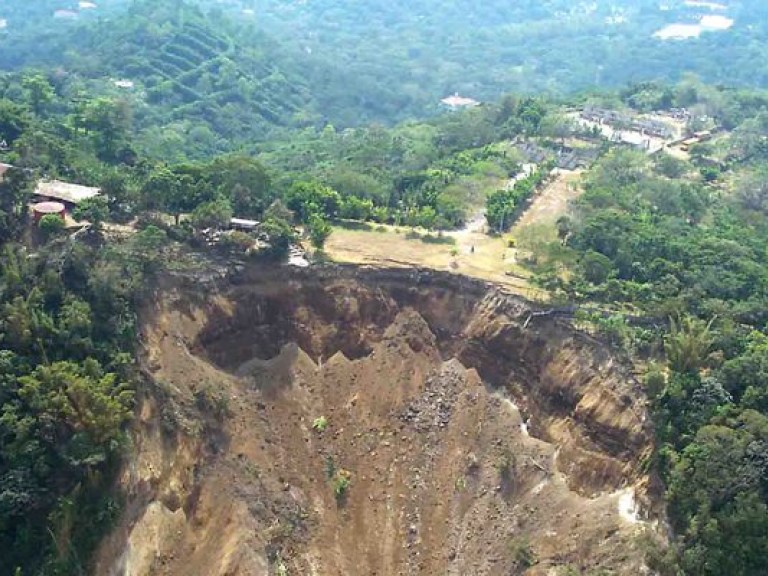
x=471, y=251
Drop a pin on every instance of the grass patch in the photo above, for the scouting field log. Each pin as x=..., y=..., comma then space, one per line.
x=489, y=261
x=341, y=482
x=320, y=424
x=522, y=554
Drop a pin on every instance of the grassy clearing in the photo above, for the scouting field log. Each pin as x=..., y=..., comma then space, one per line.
x=470, y=251
x=389, y=246
x=551, y=203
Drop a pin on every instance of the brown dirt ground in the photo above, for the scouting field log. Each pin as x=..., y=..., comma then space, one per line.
x=417, y=386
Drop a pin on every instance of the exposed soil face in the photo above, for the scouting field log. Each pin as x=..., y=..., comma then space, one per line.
x=470, y=434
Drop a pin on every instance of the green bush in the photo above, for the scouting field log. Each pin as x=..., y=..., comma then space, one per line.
x=319, y=230
x=50, y=225
x=341, y=482
x=237, y=241
x=522, y=553
x=320, y=424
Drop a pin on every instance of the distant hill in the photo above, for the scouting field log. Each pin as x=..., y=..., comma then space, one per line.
x=427, y=49
x=34, y=32
x=197, y=80
x=191, y=70
x=206, y=76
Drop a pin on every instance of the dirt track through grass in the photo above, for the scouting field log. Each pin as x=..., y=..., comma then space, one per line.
x=472, y=253
x=552, y=202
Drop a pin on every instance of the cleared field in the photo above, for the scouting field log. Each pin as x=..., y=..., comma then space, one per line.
x=469, y=251
x=473, y=254
x=535, y=233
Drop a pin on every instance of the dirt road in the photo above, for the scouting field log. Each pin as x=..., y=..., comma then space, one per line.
x=552, y=202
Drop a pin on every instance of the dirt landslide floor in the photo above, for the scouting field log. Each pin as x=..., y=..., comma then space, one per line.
x=474, y=441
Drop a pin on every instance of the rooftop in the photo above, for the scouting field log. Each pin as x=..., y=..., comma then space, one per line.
x=3, y=169
x=72, y=193
x=243, y=223
x=457, y=101
x=48, y=207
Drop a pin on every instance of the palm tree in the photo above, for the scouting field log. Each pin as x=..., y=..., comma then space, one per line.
x=688, y=343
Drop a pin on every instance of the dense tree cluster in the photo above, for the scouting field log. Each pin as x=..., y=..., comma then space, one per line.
x=690, y=252
x=67, y=338
x=426, y=174
x=503, y=206
x=414, y=53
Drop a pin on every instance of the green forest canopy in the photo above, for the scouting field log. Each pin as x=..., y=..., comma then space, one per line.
x=211, y=77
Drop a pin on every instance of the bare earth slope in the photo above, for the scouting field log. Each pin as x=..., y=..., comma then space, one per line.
x=470, y=433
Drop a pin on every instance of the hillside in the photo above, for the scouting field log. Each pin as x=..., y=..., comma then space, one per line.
x=31, y=31
x=162, y=369
x=196, y=83
x=427, y=50
x=285, y=333
x=210, y=77
x=191, y=75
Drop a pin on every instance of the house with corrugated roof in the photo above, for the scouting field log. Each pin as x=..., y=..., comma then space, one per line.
x=70, y=194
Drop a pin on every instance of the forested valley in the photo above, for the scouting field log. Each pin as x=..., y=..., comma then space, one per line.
x=304, y=131
x=208, y=77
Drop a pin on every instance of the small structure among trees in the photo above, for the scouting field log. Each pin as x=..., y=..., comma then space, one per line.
x=457, y=102
x=68, y=194
x=42, y=209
